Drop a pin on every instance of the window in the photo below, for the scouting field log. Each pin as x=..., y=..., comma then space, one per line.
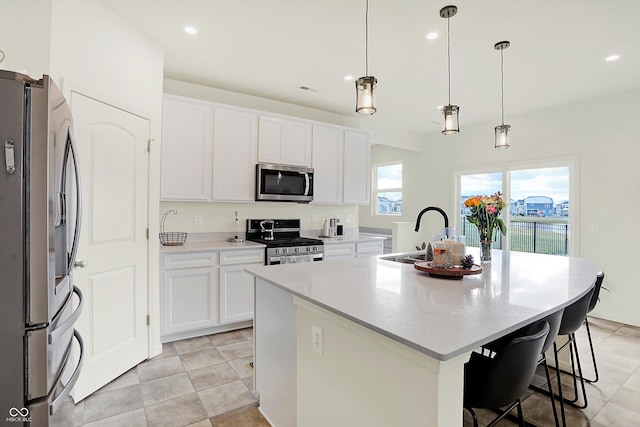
x=537, y=206
x=388, y=188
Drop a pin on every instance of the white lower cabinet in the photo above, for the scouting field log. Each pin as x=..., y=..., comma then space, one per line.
x=236, y=285
x=206, y=292
x=190, y=299
x=236, y=294
x=369, y=248
x=339, y=250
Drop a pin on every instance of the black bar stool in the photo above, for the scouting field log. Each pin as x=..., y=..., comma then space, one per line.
x=572, y=319
x=592, y=304
x=497, y=382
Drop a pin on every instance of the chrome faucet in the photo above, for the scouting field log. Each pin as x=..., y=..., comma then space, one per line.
x=432, y=208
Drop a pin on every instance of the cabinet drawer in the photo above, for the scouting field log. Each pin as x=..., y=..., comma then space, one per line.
x=242, y=257
x=374, y=247
x=340, y=249
x=190, y=260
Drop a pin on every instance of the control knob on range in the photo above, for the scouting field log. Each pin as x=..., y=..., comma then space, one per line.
x=296, y=249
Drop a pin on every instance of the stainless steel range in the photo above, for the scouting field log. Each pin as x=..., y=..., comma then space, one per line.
x=283, y=241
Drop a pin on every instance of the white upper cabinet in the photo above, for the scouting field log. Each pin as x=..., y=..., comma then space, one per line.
x=209, y=153
x=284, y=141
x=357, y=173
x=186, y=150
x=328, y=146
x=235, y=148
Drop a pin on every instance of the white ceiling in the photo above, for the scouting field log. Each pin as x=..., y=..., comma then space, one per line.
x=269, y=48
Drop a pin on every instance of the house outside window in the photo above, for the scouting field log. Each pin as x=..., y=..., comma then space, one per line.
x=387, y=187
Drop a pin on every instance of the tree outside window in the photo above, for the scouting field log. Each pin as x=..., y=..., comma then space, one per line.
x=388, y=188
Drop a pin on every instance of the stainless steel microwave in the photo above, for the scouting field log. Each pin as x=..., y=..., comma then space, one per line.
x=284, y=183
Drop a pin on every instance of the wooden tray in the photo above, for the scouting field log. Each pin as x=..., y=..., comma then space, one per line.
x=446, y=273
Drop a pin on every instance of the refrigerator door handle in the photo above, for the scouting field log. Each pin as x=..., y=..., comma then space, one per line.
x=76, y=234
x=9, y=156
x=68, y=323
x=55, y=404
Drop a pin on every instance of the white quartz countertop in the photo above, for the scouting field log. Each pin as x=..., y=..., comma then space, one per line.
x=209, y=245
x=347, y=238
x=443, y=318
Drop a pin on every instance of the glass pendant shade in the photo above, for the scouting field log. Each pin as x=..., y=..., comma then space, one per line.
x=502, y=136
x=451, y=124
x=365, y=102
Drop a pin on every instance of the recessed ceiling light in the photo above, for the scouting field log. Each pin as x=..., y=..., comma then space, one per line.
x=432, y=35
x=612, y=58
x=190, y=30
x=348, y=77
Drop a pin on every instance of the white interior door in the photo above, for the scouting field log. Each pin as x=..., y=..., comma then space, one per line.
x=114, y=166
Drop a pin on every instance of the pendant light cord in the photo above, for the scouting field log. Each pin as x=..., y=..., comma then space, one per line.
x=449, y=56
x=502, y=84
x=366, y=38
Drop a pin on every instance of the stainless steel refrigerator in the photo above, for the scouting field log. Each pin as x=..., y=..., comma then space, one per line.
x=40, y=211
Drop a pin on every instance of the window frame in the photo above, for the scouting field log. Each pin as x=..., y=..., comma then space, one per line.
x=376, y=190
x=572, y=162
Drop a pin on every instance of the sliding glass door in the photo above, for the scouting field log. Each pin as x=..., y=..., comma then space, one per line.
x=538, y=206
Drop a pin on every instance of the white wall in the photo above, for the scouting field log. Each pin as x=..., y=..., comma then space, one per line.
x=96, y=53
x=220, y=217
x=25, y=28
x=603, y=133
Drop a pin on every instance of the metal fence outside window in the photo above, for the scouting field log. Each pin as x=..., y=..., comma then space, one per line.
x=524, y=236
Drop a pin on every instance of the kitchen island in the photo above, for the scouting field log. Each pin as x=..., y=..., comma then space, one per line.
x=369, y=341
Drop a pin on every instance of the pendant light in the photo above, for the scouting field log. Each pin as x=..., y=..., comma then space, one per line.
x=450, y=112
x=502, y=131
x=365, y=103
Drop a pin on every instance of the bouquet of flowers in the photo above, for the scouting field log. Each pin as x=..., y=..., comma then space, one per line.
x=485, y=214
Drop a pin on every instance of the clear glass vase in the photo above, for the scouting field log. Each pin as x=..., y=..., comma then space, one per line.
x=485, y=251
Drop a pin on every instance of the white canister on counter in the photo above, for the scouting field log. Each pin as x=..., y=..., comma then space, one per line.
x=325, y=228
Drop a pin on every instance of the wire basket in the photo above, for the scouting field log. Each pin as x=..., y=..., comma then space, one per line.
x=173, y=238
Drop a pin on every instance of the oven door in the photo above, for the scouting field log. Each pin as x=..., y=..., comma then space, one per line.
x=284, y=183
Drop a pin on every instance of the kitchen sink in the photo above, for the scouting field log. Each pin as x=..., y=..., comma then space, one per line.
x=406, y=258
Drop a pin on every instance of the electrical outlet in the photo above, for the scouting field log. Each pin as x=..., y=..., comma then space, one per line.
x=197, y=220
x=351, y=218
x=317, y=339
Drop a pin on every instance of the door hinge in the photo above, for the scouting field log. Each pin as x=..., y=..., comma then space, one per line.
x=148, y=320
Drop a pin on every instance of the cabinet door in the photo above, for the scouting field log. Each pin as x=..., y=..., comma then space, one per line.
x=327, y=164
x=297, y=143
x=236, y=294
x=186, y=150
x=357, y=173
x=189, y=299
x=235, y=145
x=284, y=142
x=271, y=140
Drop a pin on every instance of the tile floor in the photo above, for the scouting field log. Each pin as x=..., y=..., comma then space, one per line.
x=207, y=381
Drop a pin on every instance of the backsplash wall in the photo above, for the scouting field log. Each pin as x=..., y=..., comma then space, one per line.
x=220, y=217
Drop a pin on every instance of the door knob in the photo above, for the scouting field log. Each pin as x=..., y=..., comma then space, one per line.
x=80, y=263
